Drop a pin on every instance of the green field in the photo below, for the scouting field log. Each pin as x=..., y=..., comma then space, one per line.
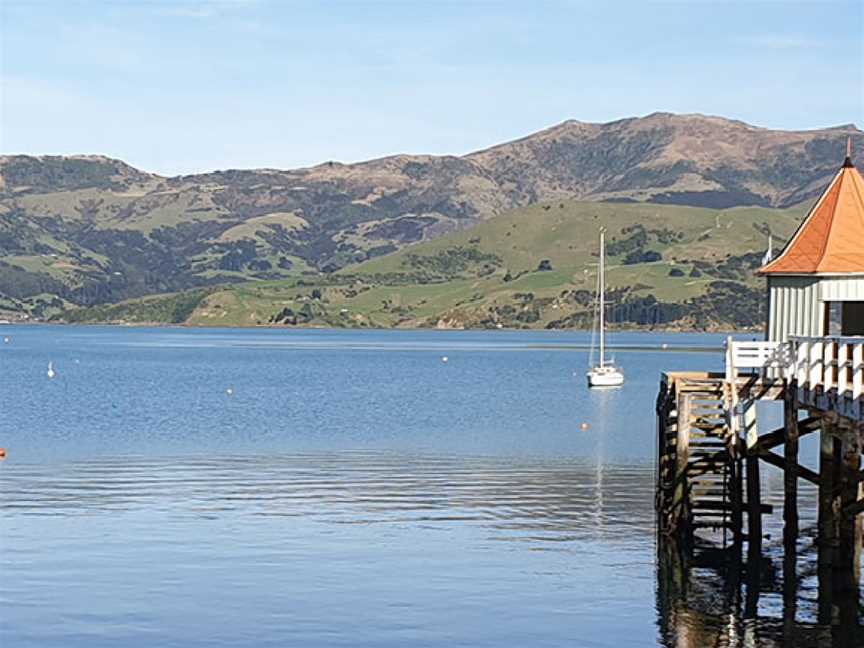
x=534, y=267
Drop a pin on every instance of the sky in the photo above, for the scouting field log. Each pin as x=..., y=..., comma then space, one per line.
x=190, y=86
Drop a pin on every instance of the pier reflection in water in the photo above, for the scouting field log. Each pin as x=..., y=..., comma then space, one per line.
x=714, y=598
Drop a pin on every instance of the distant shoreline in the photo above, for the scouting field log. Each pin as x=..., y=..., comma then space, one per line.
x=121, y=324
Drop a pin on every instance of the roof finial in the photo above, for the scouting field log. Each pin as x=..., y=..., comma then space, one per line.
x=848, y=161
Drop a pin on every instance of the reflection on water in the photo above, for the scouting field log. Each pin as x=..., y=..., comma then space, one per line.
x=353, y=548
x=712, y=598
x=544, y=542
x=345, y=496
x=552, y=500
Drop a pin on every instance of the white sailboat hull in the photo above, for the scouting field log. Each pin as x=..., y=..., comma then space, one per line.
x=605, y=377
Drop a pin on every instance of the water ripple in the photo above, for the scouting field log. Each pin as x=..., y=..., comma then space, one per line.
x=542, y=500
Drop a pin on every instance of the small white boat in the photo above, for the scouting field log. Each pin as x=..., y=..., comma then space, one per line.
x=607, y=376
x=604, y=374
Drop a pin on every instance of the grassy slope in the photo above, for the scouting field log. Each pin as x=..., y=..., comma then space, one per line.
x=173, y=308
x=399, y=290
x=567, y=235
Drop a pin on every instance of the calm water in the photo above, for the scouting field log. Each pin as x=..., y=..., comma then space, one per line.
x=352, y=490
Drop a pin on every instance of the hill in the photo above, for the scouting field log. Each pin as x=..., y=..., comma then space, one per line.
x=89, y=230
x=533, y=267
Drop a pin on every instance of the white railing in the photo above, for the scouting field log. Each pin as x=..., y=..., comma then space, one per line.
x=763, y=357
x=829, y=371
x=832, y=363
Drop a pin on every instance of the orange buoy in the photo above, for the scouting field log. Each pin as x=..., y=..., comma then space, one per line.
x=583, y=426
x=2, y=453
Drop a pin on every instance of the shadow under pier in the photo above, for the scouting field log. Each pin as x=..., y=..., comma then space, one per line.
x=711, y=597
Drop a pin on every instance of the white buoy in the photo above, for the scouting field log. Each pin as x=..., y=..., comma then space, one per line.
x=664, y=346
x=229, y=391
x=7, y=340
x=444, y=358
x=51, y=373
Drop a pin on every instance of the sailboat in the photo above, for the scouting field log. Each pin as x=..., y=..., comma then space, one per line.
x=605, y=374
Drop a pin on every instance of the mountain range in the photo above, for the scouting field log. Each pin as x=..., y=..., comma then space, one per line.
x=89, y=230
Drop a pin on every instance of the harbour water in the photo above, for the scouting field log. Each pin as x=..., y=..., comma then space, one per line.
x=178, y=487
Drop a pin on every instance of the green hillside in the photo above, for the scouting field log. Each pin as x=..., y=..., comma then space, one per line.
x=534, y=267
x=91, y=230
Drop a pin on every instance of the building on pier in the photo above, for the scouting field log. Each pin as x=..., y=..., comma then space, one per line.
x=710, y=447
x=816, y=284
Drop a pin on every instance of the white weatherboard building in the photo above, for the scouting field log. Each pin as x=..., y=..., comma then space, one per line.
x=816, y=284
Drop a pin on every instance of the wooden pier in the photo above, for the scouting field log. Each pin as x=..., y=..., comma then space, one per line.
x=710, y=450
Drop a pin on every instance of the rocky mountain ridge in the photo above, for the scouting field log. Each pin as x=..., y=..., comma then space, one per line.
x=91, y=229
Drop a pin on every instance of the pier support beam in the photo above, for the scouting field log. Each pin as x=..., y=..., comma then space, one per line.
x=754, y=487
x=790, y=591
x=681, y=497
x=754, y=510
x=790, y=454
x=848, y=559
x=829, y=455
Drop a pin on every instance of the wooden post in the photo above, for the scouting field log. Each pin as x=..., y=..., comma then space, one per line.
x=790, y=506
x=736, y=495
x=665, y=455
x=681, y=498
x=827, y=531
x=754, y=526
x=754, y=496
x=751, y=600
x=790, y=592
x=848, y=558
x=790, y=453
x=660, y=491
x=845, y=597
x=827, y=470
x=754, y=512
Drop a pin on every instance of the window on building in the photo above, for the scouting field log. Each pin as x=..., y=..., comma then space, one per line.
x=852, y=318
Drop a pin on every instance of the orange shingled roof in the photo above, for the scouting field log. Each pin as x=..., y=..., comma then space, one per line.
x=831, y=238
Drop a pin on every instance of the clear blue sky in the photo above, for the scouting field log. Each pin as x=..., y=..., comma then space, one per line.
x=180, y=87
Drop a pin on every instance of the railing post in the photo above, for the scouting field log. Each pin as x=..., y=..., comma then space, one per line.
x=814, y=362
x=828, y=364
x=730, y=359
x=803, y=352
x=842, y=368
x=857, y=370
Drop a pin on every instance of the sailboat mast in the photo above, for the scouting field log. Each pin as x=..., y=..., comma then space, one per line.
x=601, y=296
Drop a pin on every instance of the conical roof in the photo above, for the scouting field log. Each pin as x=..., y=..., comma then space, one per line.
x=831, y=238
